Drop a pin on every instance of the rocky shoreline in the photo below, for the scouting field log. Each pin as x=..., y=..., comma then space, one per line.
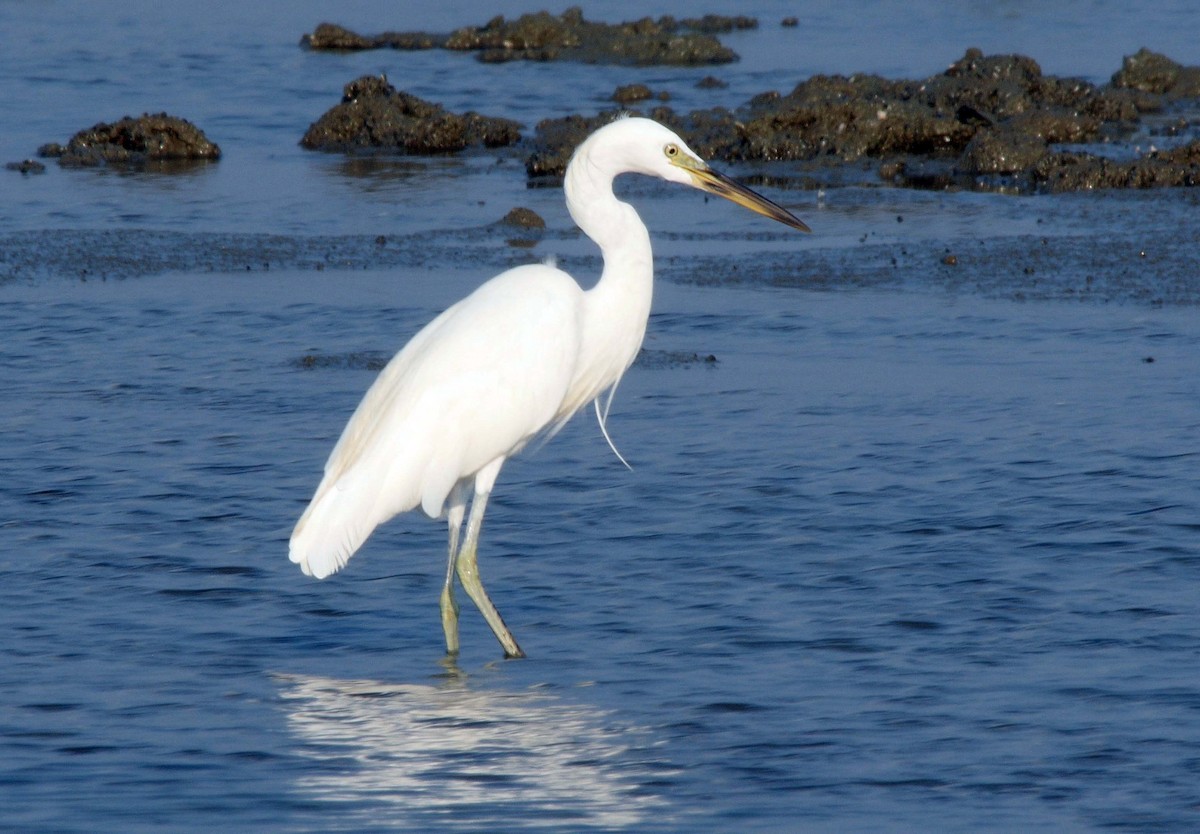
x=987, y=123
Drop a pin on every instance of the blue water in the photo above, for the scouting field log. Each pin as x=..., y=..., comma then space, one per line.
x=919, y=551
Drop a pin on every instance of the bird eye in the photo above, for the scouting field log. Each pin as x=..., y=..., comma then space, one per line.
x=671, y=150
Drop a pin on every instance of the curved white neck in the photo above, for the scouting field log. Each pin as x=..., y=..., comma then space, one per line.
x=617, y=308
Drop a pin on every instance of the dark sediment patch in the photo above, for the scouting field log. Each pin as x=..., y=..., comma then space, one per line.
x=1151, y=268
x=26, y=166
x=363, y=360
x=374, y=115
x=136, y=253
x=375, y=361
x=660, y=360
x=157, y=138
x=568, y=37
x=1129, y=250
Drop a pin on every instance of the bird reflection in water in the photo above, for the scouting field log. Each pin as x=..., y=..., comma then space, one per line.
x=416, y=755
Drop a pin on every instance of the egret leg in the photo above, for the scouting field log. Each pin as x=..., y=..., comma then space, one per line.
x=448, y=604
x=468, y=574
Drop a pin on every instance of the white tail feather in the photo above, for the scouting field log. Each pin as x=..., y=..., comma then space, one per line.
x=327, y=535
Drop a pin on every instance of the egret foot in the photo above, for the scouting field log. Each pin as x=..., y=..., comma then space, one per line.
x=468, y=575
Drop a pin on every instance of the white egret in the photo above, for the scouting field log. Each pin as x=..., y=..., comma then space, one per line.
x=512, y=361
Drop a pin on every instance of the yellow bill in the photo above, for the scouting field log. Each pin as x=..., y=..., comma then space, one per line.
x=714, y=182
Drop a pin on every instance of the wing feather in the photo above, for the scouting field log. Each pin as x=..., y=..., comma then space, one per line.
x=474, y=385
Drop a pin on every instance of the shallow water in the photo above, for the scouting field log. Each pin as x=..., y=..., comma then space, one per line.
x=918, y=550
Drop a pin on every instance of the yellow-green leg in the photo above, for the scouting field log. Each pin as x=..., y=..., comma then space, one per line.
x=467, y=566
x=449, y=605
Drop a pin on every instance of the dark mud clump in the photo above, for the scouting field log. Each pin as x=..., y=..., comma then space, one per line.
x=130, y=141
x=631, y=93
x=567, y=37
x=523, y=218
x=356, y=361
x=26, y=166
x=987, y=122
x=374, y=115
x=524, y=227
x=669, y=360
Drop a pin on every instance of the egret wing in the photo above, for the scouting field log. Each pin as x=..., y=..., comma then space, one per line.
x=474, y=385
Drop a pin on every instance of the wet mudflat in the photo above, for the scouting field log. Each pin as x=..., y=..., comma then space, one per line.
x=910, y=540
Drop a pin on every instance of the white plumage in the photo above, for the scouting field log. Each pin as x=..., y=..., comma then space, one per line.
x=513, y=360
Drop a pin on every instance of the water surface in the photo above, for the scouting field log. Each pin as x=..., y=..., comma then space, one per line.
x=918, y=550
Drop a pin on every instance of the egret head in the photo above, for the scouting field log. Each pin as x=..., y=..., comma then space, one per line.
x=650, y=148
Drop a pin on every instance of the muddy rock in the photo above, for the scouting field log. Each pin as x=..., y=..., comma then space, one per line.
x=523, y=227
x=826, y=118
x=148, y=138
x=1151, y=72
x=542, y=36
x=630, y=93
x=1001, y=151
x=1016, y=144
x=1071, y=171
x=338, y=39
x=1123, y=106
x=373, y=115
x=1017, y=70
x=523, y=218
x=556, y=139
x=988, y=121
x=846, y=118
x=330, y=36
x=645, y=42
x=1055, y=125
x=712, y=23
